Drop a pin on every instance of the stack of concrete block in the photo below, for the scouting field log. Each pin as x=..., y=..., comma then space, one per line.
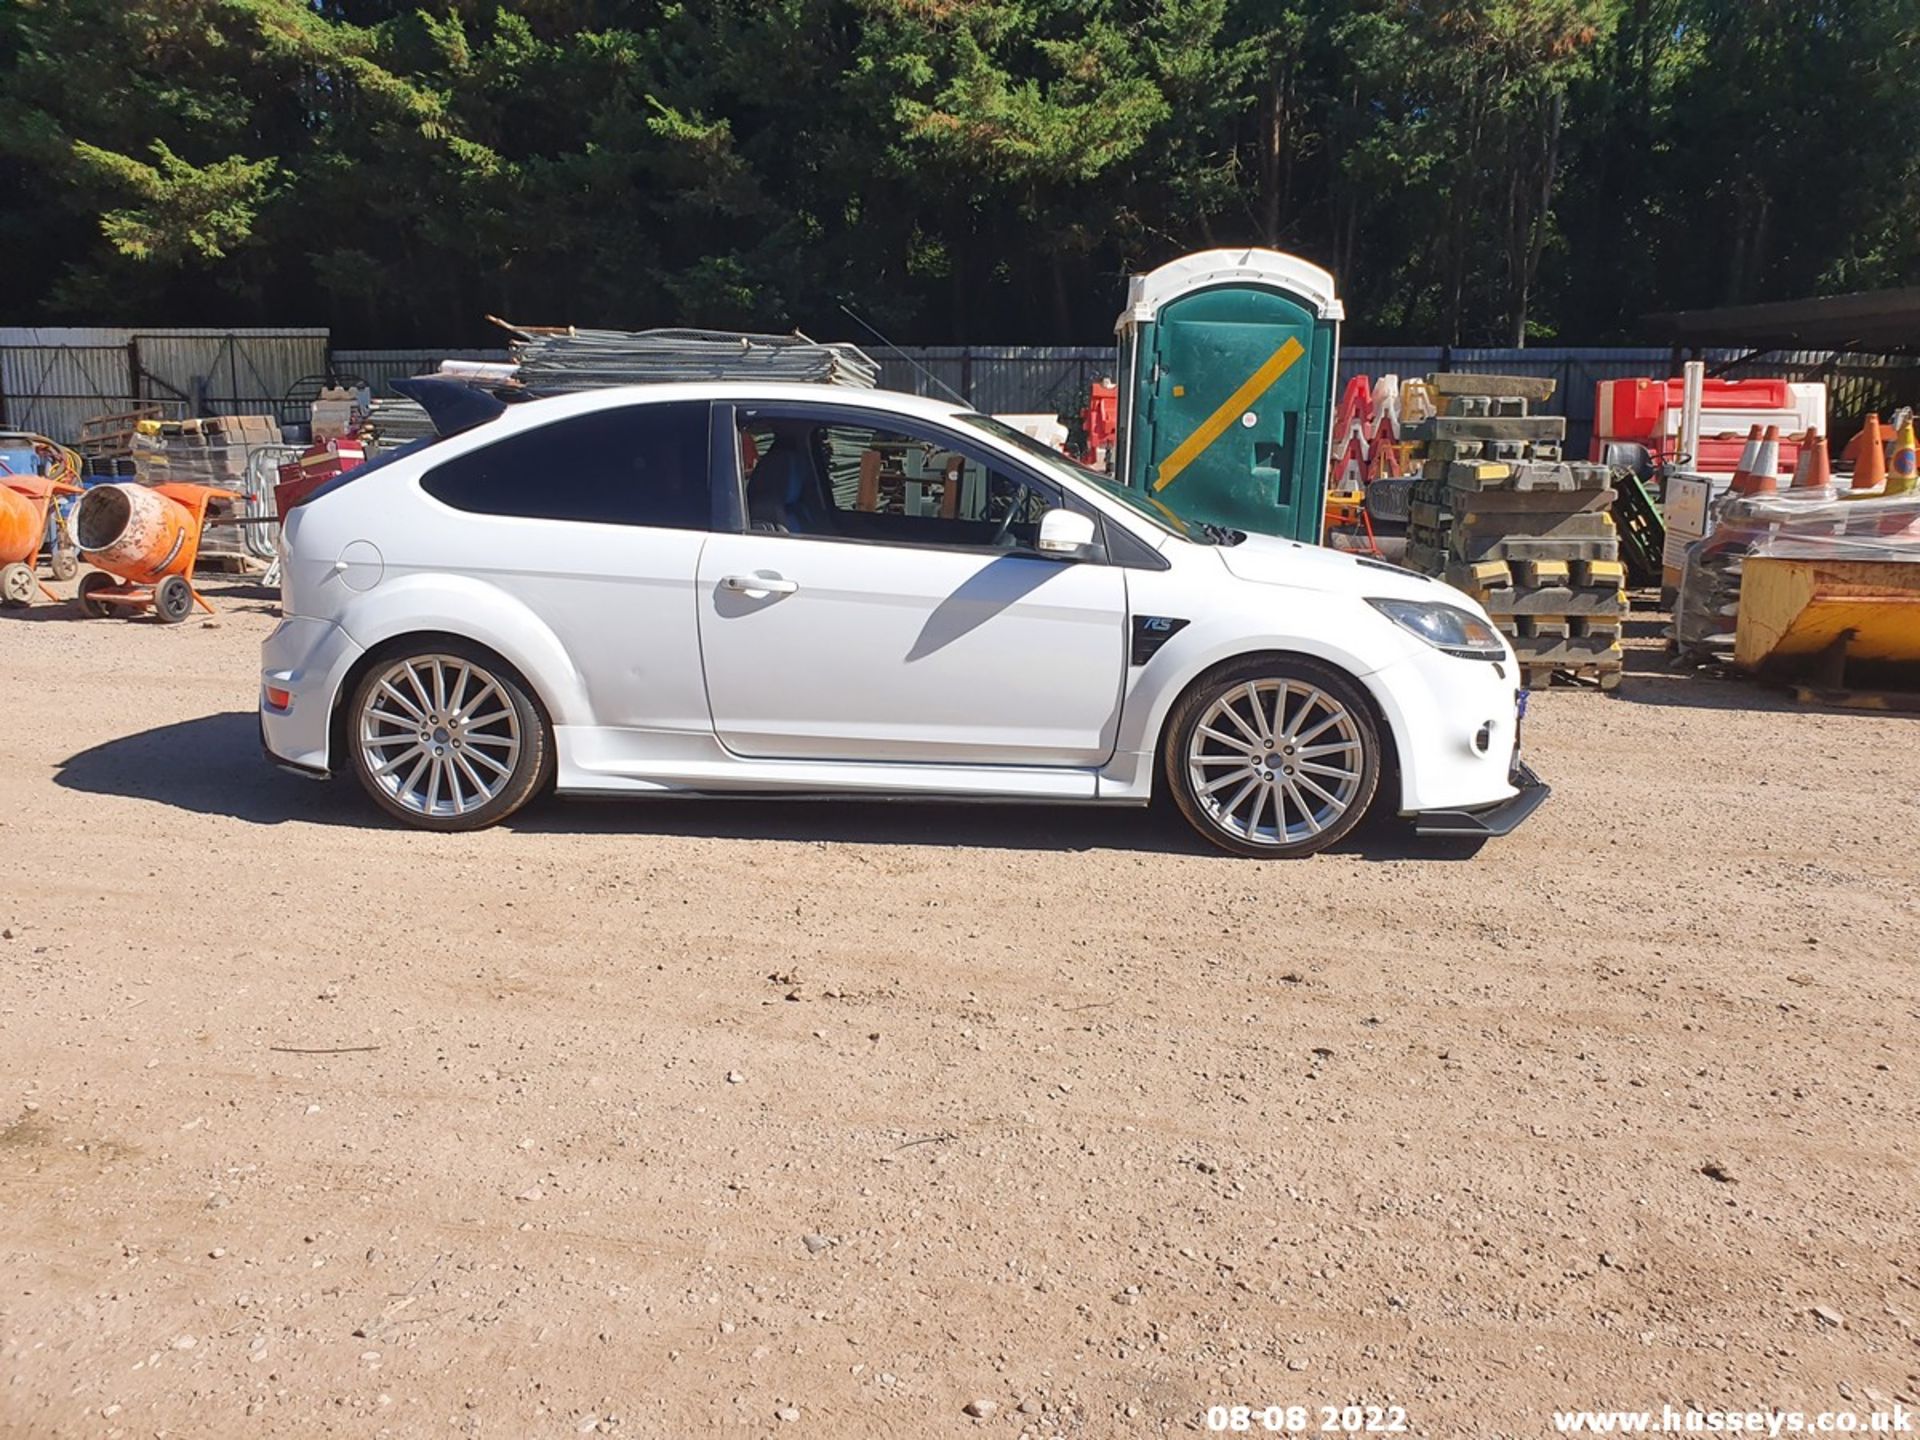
x=1499, y=514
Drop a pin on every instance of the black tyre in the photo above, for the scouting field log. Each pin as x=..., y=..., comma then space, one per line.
x=17, y=586
x=173, y=599
x=1274, y=756
x=447, y=737
x=95, y=580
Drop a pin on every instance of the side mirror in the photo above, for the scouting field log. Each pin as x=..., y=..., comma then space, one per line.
x=1066, y=535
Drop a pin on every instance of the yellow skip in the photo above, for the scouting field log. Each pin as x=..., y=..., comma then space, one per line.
x=1215, y=425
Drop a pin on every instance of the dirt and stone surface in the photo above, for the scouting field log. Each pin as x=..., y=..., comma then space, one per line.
x=685, y=1118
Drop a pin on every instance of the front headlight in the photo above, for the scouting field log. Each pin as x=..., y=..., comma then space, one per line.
x=1445, y=627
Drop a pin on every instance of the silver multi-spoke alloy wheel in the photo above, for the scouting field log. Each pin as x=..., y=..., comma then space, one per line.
x=439, y=736
x=1275, y=761
x=1277, y=756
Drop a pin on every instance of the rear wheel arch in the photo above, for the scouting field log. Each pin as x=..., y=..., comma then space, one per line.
x=417, y=641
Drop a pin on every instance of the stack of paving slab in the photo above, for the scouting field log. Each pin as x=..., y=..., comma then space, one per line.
x=1500, y=514
x=212, y=450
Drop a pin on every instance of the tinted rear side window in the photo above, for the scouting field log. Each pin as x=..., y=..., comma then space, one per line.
x=638, y=465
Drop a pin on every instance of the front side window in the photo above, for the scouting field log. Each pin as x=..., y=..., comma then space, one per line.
x=637, y=465
x=1142, y=503
x=855, y=480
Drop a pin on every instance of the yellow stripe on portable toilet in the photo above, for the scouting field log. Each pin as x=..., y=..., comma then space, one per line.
x=1216, y=424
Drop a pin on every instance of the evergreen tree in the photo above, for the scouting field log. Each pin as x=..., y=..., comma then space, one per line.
x=982, y=170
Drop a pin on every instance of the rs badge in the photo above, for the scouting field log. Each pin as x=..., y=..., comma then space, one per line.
x=1150, y=632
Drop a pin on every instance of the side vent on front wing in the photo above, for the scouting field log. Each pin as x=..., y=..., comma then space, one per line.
x=1150, y=632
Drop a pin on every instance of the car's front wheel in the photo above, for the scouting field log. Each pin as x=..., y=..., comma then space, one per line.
x=1273, y=756
x=447, y=737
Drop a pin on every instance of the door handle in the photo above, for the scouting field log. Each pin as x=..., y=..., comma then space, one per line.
x=758, y=585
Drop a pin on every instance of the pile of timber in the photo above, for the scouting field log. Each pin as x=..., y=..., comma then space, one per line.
x=1500, y=514
x=106, y=441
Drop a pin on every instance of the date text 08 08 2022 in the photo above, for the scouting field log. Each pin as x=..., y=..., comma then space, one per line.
x=1314, y=1419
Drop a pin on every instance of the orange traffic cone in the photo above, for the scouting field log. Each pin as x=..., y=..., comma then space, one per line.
x=1870, y=464
x=1769, y=466
x=1748, y=454
x=1814, y=472
x=1759, y=464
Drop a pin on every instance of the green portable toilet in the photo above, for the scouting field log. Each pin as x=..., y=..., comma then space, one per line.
x=1227, y=362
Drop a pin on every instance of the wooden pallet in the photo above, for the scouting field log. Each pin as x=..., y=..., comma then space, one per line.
x=110, y=437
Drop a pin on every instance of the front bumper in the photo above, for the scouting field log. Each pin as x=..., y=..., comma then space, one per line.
x=1456, y=730
x=1501, y=818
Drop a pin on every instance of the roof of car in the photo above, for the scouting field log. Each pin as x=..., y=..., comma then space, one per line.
x=534, y=412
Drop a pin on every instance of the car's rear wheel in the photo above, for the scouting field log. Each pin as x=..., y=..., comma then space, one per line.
x=447, y=737
x=1273, y=756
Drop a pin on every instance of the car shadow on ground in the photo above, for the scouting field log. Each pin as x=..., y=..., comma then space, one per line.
x=213, y=766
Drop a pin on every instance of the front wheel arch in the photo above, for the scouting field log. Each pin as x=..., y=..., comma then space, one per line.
x=1387, y=793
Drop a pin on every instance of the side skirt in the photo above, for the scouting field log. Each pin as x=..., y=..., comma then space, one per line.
x=594, y=761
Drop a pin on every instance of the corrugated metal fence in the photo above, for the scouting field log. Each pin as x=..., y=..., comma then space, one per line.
x=52, y=379
x=52, y=388
x=1055, y=379
x=1000, y=379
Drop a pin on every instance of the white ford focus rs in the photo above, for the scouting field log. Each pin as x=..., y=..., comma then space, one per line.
x=728, y=588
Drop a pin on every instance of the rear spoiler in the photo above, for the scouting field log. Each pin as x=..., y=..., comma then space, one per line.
x=452, y=405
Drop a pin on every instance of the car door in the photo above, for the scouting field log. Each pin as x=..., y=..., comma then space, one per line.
x=594, y=522
x=896, y=610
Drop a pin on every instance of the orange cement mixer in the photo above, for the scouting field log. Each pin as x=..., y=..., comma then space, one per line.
x=24, y=500
x=149, y=537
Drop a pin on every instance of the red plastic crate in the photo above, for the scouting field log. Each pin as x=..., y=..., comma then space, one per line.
x=300, y=478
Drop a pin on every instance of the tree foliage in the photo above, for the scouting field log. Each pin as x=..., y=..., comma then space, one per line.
x=1474, y=171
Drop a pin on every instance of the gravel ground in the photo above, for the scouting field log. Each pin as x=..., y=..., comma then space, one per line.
x=671, y=1119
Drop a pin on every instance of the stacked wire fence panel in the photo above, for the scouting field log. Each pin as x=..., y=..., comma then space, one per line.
x=560, y=362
